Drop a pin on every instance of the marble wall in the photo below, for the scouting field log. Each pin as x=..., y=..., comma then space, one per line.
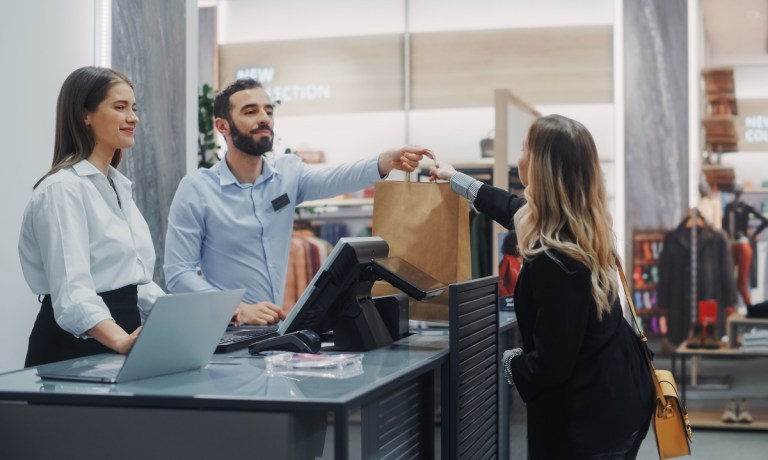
x=148, y=45
x=656, y=111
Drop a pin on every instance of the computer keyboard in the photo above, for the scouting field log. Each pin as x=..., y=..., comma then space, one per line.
x=237, y=338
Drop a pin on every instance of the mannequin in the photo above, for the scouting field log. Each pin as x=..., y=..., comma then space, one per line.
x=736, y=226
x=710, y=206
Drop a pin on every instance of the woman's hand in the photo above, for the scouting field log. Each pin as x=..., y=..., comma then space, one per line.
x=442, y=171
x=125, y=344
x=109, y=334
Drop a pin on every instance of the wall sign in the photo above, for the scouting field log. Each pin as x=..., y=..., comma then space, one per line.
x=321, y=76
x=752, y=125
x=756, y=129
x=285, y=92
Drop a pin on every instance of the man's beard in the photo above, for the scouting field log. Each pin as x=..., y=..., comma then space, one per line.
x=246, y=144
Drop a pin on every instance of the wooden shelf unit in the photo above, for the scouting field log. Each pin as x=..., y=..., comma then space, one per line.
x=737, y=321
x=711, y=419
x=706, y=414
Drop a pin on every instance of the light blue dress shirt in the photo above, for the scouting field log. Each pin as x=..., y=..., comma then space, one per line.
x=232, y=231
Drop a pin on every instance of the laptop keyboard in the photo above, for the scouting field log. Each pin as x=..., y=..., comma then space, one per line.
x=238, y=338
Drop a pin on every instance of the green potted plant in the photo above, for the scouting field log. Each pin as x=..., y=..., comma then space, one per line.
x=206, y=141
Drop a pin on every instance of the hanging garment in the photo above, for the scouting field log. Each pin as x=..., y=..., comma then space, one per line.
x=509, y=269
x=480, y=229
x=307, y=254
x=715, y=278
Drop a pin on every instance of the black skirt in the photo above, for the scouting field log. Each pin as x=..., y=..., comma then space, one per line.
x=49, y=343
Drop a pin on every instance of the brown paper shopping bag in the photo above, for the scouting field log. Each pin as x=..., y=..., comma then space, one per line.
x=427, y=225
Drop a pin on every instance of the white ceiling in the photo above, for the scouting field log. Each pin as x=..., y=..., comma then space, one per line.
x=736, y=32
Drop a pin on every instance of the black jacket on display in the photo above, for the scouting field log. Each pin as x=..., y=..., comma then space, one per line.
x=585, y=383
x=715, y=280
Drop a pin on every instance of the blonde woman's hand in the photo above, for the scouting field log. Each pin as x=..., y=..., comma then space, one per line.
x=442, y=171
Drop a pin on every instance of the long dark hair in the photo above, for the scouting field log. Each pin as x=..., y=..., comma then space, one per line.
x=82, y=92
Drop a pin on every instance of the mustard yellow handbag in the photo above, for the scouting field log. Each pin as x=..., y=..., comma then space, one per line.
x=670, y=419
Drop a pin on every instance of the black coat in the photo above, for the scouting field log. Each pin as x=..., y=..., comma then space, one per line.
x=715, y=278
x=585, y=383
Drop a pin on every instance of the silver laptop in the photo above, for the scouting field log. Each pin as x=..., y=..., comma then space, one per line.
x=180, y=334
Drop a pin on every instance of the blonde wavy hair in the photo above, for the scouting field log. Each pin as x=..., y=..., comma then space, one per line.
x=567, y=209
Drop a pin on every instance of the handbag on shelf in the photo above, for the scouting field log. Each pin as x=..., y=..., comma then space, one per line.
x=670, y=418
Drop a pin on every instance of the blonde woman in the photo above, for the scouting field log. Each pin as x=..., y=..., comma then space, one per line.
x=588, y=392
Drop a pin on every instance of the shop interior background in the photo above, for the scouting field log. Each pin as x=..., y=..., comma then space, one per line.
x=569, y=59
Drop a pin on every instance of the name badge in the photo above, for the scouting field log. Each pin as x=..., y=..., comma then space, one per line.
x=280, y=202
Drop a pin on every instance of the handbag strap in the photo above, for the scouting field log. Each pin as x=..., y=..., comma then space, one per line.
x=640, y=335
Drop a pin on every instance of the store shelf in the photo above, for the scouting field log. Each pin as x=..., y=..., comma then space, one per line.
x=722, y=352
x=707, y=413
x=711, y=420
x=646, y=262
x=736, y=321
x=354, y=214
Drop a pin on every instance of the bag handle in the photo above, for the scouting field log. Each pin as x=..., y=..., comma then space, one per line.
x=641, y=336
x=434, y=158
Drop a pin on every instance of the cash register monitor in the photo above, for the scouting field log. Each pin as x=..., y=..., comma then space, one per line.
x=406, y=277
x=338, y=299
x=338, y=288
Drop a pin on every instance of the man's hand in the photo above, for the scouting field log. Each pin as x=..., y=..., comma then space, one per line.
x=261, y=313
x=406, y=159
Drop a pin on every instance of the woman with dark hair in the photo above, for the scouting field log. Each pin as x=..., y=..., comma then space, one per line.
x=736, y=220
x=588, y=391
x=510, y=264
x=84, y=245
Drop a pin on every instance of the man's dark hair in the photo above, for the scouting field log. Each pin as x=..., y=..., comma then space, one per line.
x=221, y=105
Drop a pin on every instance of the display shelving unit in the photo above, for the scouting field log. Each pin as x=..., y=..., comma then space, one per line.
x=356, y=213
x=707, y=413
x=647, y=247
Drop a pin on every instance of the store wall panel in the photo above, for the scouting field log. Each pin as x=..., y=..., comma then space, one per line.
x=438, y=15
x=207, y=47
x=245, y=21
x=342, y=137
x=34, y=66
x=752, y=126
x=324, y=75
x=656, y=113
x=569, y=65
x=148, y=44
